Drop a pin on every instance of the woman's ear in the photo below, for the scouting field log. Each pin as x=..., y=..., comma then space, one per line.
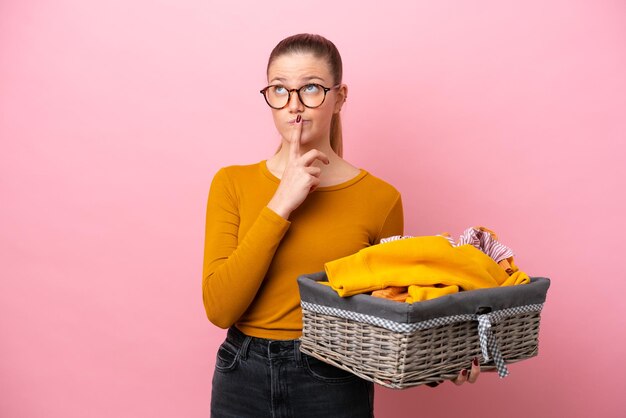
x=342, y=95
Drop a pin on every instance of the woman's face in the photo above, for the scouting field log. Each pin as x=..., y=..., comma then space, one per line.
x=294, y=71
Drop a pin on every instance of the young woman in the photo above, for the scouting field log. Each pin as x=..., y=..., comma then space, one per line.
x=269, y=222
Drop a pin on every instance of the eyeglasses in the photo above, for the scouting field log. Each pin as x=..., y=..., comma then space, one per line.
x=310, y=95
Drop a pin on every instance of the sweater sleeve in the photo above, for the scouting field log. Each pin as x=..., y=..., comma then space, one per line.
x=394, y=221
x=233, y=270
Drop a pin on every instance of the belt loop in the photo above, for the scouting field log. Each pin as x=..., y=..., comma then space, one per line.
x=298, y=353
x=244, y=347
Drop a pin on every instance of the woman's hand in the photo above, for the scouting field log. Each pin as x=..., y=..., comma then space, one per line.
x=300, y=176
x=464, y=375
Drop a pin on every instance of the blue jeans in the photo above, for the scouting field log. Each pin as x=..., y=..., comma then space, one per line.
x=257, y=377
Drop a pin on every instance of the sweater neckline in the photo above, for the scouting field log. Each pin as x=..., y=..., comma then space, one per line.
x=338, y=186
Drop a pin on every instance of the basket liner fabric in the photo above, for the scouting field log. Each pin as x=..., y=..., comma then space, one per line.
x=462, y=303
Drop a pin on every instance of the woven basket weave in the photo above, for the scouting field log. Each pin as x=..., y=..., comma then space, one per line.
x=404, y=359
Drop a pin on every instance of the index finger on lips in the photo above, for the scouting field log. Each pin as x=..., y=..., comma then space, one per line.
x=294, y=142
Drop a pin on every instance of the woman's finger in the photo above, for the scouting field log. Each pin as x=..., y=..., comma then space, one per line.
x=314, y=185
x=314, y=171
x=474, y=372
x=294, y=142
x=461, y=378
x=312, y=155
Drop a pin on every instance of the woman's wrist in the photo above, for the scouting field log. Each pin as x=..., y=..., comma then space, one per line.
x=278, y=209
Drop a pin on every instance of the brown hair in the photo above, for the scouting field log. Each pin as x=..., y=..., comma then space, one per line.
x=320, y=47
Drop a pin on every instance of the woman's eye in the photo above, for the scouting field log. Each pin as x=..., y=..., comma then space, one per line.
x=280, y=90
x=311, y=88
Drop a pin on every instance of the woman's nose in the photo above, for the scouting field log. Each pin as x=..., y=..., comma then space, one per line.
x=294, y=103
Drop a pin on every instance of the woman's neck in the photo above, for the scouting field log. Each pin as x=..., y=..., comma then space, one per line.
x=279, y=160
x=337, y=171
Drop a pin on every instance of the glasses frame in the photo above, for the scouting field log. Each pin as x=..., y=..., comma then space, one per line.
x=326, y=90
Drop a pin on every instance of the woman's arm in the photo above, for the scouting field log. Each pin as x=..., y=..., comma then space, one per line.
x=233, y=271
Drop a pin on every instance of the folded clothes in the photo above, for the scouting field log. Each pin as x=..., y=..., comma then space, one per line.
x=430, y=264
x=480, y=237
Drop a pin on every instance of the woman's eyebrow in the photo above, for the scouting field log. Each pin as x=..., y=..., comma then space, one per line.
x=313, y=77
x=308, y=78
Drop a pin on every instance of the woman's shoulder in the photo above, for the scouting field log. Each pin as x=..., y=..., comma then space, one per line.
x=379, y=185
x=236, y=177
x=239, y=170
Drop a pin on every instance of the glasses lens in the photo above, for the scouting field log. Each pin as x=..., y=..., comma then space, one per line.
x=277, y=96
x=312, y=95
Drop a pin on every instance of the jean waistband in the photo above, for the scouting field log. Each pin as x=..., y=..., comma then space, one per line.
x=262, y=346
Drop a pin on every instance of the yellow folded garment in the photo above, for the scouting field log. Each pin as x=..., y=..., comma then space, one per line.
x=421, y=261
x=420, y=293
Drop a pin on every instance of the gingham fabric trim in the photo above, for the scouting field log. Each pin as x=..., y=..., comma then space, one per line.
x=494, y=317
x=488, y=343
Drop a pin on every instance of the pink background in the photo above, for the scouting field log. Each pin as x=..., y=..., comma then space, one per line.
x=115, y=115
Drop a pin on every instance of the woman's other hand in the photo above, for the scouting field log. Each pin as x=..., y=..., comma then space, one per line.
x=300, y=176
x=465, y=376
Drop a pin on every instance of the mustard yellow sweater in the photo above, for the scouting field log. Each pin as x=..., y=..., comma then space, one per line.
x=253, y=256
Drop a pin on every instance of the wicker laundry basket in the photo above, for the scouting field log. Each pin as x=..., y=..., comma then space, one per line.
x=399, y=345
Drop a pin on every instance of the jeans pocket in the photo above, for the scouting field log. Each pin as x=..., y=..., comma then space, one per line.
x=325, y=372
x=227, y=357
